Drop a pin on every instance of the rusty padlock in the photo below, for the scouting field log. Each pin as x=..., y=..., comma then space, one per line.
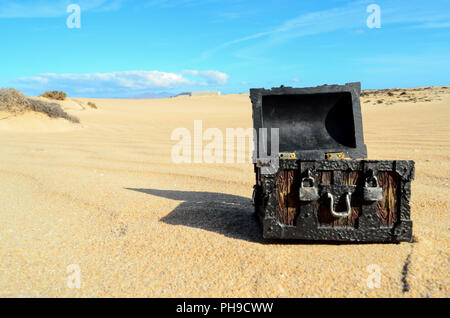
x=372, y=193
x=308, y=193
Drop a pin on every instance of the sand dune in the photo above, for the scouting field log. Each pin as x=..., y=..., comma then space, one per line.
x=105, y=195
x=33, y=122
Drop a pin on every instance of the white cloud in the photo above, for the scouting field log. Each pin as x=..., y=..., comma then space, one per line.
x=121, y=83
x=213, y=77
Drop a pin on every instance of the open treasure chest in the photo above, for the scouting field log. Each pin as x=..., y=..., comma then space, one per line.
x=312, y=179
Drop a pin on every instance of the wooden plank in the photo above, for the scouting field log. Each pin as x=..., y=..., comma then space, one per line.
x=287, y=186
x=387, y=208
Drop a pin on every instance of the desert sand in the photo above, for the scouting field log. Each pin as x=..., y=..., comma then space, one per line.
x=104, y=195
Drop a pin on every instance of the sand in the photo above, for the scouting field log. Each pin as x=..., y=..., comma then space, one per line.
x=104, y=195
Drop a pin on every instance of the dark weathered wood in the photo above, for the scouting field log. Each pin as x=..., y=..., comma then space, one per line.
x=352, y=177
x=387, y=209
x=323, y=177
x=287, y=186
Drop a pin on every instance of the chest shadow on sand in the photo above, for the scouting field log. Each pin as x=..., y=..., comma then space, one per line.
x=226, y=214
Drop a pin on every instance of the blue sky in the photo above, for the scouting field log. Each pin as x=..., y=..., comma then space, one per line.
x=126, y=47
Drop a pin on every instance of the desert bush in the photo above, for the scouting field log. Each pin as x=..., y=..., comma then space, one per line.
x=57, y=95
x=52, y=110
x=92, y=105
x=15, y=101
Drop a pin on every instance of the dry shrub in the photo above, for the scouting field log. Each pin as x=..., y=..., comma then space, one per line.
x=57, y=95
x=92, y=105
x=14, y=101
x=52, y=110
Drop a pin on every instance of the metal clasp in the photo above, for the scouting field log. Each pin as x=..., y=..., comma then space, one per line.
x=347, y=202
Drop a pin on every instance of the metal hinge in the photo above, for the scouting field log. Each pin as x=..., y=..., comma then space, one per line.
x=287, y=155
x=334, y=155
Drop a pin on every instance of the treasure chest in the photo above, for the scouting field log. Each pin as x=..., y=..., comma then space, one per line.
x=313, y=181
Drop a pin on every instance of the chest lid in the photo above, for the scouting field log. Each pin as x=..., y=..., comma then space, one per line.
x=314, y=123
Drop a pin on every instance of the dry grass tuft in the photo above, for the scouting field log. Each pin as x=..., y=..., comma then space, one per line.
x=57, y=95
x=14, y=101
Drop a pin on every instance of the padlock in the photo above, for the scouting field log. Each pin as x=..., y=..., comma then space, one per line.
x=308, y=193
x=372, y=193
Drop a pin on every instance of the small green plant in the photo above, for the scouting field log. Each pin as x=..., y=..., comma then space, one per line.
x=56, y=95
x=92, y=105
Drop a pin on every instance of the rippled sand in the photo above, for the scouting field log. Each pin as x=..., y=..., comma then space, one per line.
x=105, y=195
